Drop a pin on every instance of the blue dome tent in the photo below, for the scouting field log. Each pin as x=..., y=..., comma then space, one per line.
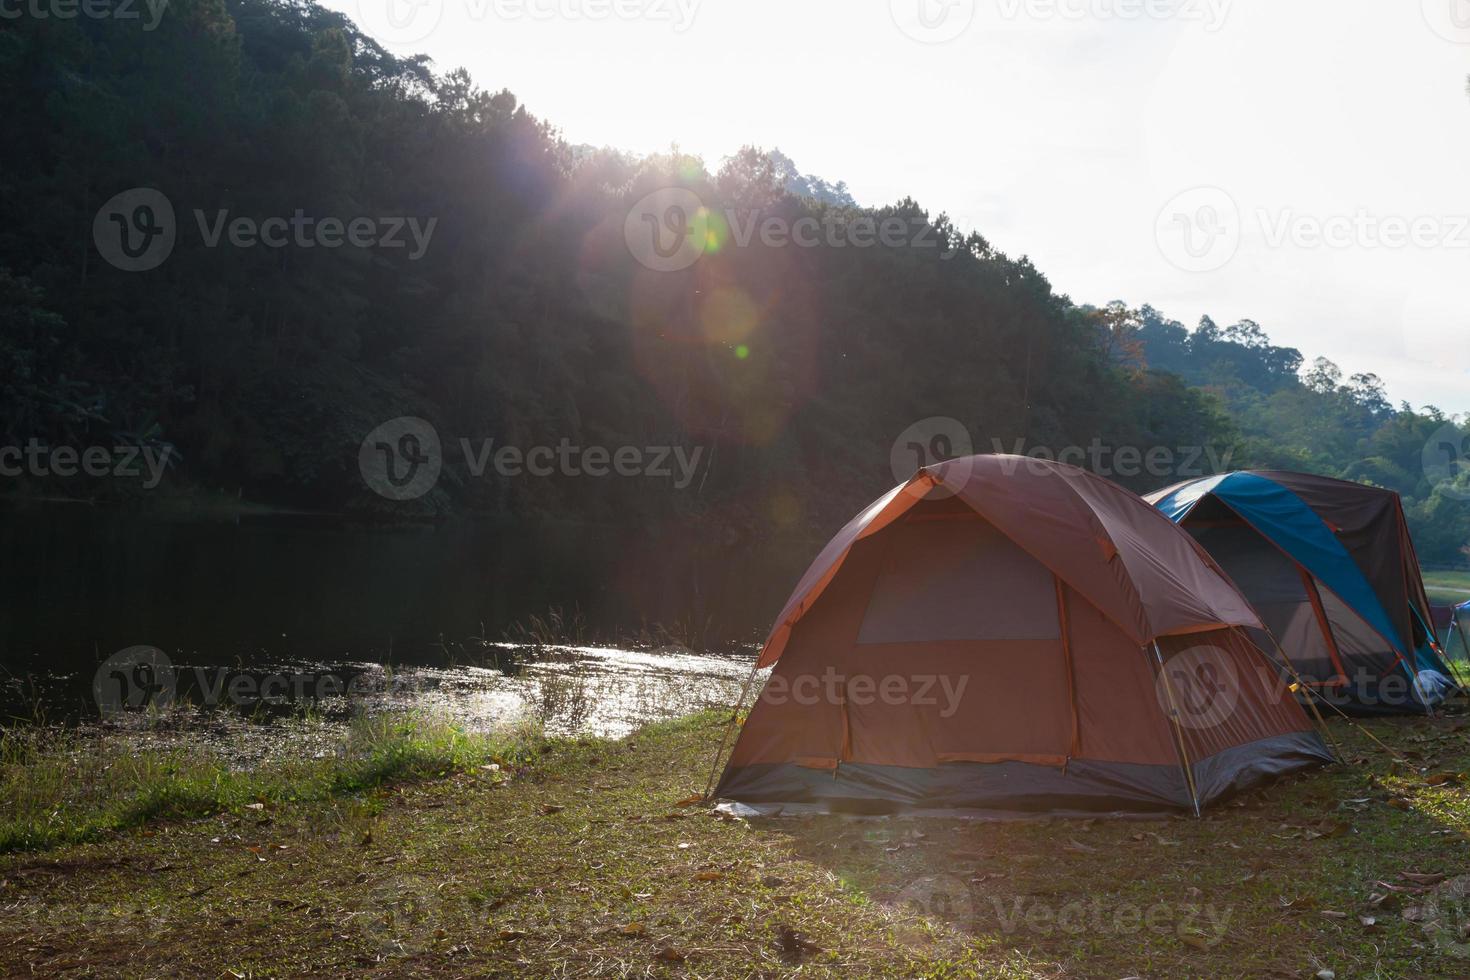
x=1330, y=567
x=1456, y=642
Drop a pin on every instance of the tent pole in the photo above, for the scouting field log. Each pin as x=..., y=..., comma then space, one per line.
x=715, y=765
x=1311, y=702
x=1463, y=633
x=1178, y=731
x=1348, y=718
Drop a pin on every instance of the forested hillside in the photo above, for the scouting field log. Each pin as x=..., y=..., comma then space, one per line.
x=521, y=314
x=1288, y=415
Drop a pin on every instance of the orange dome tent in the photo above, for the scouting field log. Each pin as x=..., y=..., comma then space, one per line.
x=1001, y=635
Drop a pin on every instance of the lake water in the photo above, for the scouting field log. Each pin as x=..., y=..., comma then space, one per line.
x=228, y=601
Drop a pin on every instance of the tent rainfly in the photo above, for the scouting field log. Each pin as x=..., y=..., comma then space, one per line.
x=1003, y=636
x=1331, y=569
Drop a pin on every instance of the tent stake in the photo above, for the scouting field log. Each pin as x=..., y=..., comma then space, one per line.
x=1178, y=731
x=739, y=703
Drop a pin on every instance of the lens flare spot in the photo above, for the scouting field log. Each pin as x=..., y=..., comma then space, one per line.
x=785, y=508
x=742, y=351
x=716, y=230
x=728, y=316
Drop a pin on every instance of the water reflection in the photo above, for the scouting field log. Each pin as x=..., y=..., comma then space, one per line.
x=421, y=610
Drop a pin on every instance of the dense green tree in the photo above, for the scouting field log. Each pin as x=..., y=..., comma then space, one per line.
x=526, y=317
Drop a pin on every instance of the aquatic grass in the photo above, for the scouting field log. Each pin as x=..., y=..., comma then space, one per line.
x=387, y=748
x=63, y=787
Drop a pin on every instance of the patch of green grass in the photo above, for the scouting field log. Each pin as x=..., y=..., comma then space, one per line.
x=1448, y=587
x=60, y=787
x=585, y=864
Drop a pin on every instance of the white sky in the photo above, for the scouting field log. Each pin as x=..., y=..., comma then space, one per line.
x=1060, y=129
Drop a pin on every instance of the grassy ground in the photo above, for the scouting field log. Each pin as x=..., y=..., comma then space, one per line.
x=583, y=862
x=60, y=787
x=1448, y=587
